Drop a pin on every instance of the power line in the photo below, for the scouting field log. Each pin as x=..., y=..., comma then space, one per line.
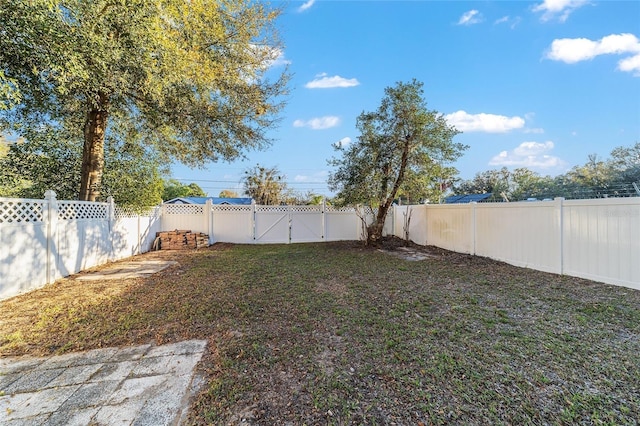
x=232, y=182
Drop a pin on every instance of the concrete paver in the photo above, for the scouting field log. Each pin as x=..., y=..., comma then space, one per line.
x=139, y=385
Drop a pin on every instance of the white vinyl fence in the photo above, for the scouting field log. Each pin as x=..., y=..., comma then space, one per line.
x=596, y=239
x=248, y=224
x=43, y=240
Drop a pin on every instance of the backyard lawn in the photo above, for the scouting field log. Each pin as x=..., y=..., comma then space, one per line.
x=335, y=333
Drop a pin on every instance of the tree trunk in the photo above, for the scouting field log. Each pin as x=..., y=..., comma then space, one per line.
x=93, y=151
x=375, y=234
x=375, y=230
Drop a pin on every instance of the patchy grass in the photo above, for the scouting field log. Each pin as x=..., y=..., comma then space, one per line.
x=335, y=333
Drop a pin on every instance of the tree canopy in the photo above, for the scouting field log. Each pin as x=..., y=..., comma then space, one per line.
x=228, y=193
x=173, y=188
x=402, y=147
x=184, y=78
x=48, y=160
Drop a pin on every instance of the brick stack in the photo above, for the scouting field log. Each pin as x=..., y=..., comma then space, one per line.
x=181, y=240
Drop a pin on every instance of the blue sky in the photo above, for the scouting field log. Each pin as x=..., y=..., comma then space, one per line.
x=538, y=84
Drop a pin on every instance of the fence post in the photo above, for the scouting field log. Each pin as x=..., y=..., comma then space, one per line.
x=289, y=219
x=425, y=207
x=111, y=225
x=139, y=234
x=474, y=228
x=52, y=232
x=560, y=220
x=324, y=219
x=208, y=215
x=253, y=220
x=393, y=220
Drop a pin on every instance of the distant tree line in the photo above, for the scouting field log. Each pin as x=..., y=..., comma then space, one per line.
x=597, y=178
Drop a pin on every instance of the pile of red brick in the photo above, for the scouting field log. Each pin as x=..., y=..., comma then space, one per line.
x=181, y=240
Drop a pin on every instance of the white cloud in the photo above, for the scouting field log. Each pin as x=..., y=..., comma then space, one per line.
x=512, y=22
x=278, y=58
x=318, y=123
x=533, y=148
x=343, y=142
x=323, y=81
x=489, y=123
x=530, y=155
x=306, y=5
x=471, y=17
x=320, y=176
x=269, y=56
x=502, y=20
x=572, y=50
x=630, y=64
x=560, y=9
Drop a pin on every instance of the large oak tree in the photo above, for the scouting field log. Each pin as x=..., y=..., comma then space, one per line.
x=401, y=145
x=50, y=159
x=187, y=77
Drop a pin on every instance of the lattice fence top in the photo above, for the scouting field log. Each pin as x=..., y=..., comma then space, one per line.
x=340, y=209
x=306, y=209
x=272, y=209
x=19, y=210
x=369, y=210
x=76, y=210
x=124, y=213
x=231, y=208
x=183, y=209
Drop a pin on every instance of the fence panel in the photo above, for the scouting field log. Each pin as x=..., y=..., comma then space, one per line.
x=81, y=244
x=23, y=242
x=149, y=225
x=124, y=236
x=82, y=236
x=451, y=227
x=232, y=224
x=601, y=240
x=133, y=234
x=342, y=224
x=306, y=224
x=416, y=217
x=525, y=234
x=190, y=217
x=271, y=224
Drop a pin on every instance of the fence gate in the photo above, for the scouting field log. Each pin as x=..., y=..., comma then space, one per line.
x=307, y=224
x=272, y=224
